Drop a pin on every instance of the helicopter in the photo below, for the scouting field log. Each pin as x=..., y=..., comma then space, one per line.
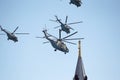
x=64, y=26
x=58, y=44
x=76, y=2
x=11, y=35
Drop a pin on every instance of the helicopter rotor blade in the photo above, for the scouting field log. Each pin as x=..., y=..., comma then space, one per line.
x=22, y=33
x=56, y=27
x=43, y=36
x=69, y=42
x=15, y=30
x=70, y=35
x=74, y=39
x=59, y=34
x=74, y=23
x=40, y=37
x=2, y=34
x=66, y=19
x=52, y=20
x=45, y=42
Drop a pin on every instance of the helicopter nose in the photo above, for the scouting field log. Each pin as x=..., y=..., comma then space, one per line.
x=67, y=50
x=16, y=39
x=68, y=31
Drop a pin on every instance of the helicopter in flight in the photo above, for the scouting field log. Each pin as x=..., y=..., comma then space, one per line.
x=76, y=2
x=11, y=35
x=59, y=44
x=64, y=26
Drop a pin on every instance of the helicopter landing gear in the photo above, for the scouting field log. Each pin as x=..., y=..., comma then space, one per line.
x=55, y=50
x=60, y=29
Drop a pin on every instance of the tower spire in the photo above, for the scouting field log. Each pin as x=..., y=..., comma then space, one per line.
x=79, y=49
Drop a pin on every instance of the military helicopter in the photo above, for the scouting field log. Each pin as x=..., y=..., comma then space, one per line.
x=76, y=2
x=11, y=35
x=64, y=26
x=59, y=44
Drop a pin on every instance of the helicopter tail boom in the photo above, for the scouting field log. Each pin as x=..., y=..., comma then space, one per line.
x=45, y=33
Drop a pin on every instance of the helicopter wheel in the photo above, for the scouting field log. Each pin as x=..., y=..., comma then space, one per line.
x=55, y=50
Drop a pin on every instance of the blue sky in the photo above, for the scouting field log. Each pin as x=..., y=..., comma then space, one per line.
x=29, y=59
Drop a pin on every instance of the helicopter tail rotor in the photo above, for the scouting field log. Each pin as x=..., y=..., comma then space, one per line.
x=45, y=29
x=57, y=20
x=1, y=28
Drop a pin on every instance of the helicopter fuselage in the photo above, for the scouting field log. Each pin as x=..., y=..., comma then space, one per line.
x=65, y=28
x=76, y=2
x=58, y=45
x=10, y=36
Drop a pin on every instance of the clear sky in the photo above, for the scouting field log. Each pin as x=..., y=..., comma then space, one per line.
x=29, y=59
